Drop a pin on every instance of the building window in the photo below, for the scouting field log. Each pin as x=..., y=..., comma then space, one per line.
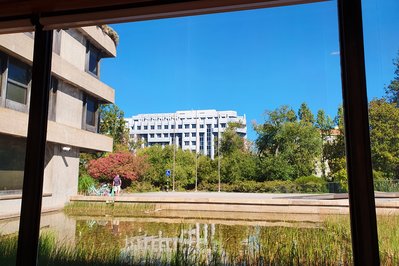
x=145, y=127
x=138, y=127
x=193, y=126
x=12, y=162
x=159, y=127
x=18, y=80
x=216, y=125
x=223, y=125
x=172, y=126
x=166, y=127
x=159, y=135
x=186, y=135
x=180, y=126
x=201, y=126
x=186, y=126
x=92, y=59
x=186, y=143
x=193, y=143
x=152, y=127
x=165, y=135
x=152, y=135
x=91, y=109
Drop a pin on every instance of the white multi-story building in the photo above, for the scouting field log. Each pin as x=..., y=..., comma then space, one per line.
x=191, y=130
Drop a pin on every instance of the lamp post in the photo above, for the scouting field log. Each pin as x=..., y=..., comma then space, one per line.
x=174, y=155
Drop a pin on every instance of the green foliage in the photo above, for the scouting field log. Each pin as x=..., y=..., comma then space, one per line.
x=311, y=184
x=325, y=124
x=305, y=115
x=341, y=177
x=84, y=182
x=273, y=168
x=230, y=141
x=334, y=147
x=237, y=166
x=384, y=136
x=288, y=148
x=113, y=124
x=161, y=159
x=392, y=91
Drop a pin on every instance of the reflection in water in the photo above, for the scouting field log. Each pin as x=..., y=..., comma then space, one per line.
x=172, y=241
x=141, y=240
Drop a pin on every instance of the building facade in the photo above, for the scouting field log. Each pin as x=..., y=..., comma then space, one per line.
x=196, y=130
x=74, y=97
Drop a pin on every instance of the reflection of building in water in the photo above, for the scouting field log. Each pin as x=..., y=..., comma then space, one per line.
x=190, y=239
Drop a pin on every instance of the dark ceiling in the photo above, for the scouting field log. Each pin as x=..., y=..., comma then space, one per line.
x=16, y=15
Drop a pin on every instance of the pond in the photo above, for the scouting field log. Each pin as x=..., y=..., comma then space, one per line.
x=156, y=237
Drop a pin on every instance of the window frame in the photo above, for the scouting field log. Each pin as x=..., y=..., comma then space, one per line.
x=5, y=60
x=92, y=128
x=90, y=48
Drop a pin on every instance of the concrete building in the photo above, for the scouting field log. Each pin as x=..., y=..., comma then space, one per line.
x=191, y=130
x=75, y=95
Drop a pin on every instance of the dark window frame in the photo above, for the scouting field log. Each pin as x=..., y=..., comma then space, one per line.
x=90, y=49
x=5, y=61
x=89, y=127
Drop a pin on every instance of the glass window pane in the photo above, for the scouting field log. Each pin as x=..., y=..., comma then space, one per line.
x=12, y=160
x=16, y=93
x=91, y=112
x=93, y=61
x=18, y=72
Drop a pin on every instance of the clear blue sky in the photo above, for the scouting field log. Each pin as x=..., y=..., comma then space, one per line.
x=248, y=61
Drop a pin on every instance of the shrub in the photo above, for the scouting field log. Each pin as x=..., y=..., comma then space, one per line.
x=84, y=182
x=125, y=164
x=141, y=186
x=311, y=184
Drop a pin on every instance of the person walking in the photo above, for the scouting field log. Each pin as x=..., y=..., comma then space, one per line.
x=116, y=185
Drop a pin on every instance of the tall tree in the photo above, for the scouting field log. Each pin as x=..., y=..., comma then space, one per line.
x=112, y=123
x=384, y=136
x=289, y=143
x=335, y=146
x=392, y=91
x=266, y=143
x=325, y=124
x=230, y=140
x=305, y=114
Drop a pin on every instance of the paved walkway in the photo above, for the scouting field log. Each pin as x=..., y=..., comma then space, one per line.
x=386, y=203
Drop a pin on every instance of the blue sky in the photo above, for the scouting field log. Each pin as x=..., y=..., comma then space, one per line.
x=248, y=61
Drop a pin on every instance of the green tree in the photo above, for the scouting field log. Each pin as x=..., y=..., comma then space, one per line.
x=266, y=142
x=334, y=147
x=230, y=140
x=113, y=124
x=392, y=91
x=293, y=145
x=325, y=124
x=161, y=159
x=305, y=114
x=384, y=136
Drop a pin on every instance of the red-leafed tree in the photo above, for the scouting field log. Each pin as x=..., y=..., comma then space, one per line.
x=125, y=164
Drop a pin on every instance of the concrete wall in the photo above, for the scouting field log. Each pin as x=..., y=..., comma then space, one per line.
x=69, y=107
x=61, y=176
x=73, y=48
x=21, y=46
x=67, y=110
x=56, y=132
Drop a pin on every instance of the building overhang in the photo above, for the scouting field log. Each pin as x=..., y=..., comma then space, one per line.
x=21, y=46
x=68, y=14
x=56, y=132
